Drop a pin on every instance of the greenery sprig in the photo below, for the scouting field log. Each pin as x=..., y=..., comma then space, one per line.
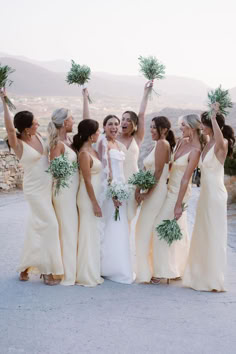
x=5, y=71
x=169, y=230
x=79, y=75
x=222, y=97
x=151, y=69
x=61, y=170
x=143, y=179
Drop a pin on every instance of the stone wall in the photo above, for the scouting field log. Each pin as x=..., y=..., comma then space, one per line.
x=230, y=184
x=11, y=172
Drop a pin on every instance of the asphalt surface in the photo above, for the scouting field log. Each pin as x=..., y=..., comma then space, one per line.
x=111, y=318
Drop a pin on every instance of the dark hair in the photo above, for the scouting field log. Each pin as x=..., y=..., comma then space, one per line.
x=227, y=130
x=21, y=121
x=134, y=120
x=86, y=128
x=162, y=122
x=106, y=119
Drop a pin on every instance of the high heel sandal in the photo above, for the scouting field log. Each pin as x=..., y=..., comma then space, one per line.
x=155, y=281
x=24, y=276
x=168, y=281
x=49, y=280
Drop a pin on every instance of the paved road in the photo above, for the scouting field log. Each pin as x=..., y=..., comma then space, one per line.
x=111, y=318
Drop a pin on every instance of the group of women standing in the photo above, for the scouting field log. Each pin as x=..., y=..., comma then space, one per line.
x=72, y=238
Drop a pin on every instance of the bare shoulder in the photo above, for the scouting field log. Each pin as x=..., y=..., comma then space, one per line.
x=195, y=153
x=58, y=148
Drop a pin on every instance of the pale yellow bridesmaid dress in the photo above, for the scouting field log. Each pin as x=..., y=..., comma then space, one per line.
x=207, y=257
x=88, y=261
x=131, y=167
x=42, y=251
x=65, y=204
x=171, y=260
x=145, y=253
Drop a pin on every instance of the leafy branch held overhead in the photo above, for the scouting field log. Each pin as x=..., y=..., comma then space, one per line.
x=222, y=97
x=79, y=75
x=5, y=71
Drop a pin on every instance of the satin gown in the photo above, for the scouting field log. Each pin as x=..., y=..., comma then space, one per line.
x=207, y=257
x=67, y=215
x=146, y=245
x=42, y=251
x=88, y=260
x=116, y=261
x=131, y=167
x=171, y=260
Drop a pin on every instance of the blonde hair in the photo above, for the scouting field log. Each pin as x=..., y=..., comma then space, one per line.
x=193, y=121
x=57, y=121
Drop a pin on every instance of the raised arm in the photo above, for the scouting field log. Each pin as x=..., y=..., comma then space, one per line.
x=11, y=131
x=143, y=106
x=192, y=164
x=221, y=145
x=86, y=114
x=84, y=162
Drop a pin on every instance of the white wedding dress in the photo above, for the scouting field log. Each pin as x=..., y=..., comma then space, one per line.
x=116, y=261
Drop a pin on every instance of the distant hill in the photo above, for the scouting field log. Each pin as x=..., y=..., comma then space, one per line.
x=31, y=78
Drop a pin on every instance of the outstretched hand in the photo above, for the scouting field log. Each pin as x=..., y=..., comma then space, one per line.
x=215, y=107
x=2, y=93
x=148, y=85
x=85, y=92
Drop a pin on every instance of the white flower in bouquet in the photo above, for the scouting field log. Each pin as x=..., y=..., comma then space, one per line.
x=118, y=191
x=61, y=170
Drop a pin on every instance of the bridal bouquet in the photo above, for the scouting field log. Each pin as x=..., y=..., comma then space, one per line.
x=222, y=97
x=79, y=75
x=5, y=71
x=118, y=191
x=169, y=230
x=143, y=179
x=61, y=170
x=151, y=68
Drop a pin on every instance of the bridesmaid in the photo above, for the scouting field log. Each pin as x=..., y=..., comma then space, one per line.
x=171, y=260
x=132, y=133
x=42, y=250
x=131, y=136
x=88, y=262
x=158, y=163
x=65, y=201
x=207, y=257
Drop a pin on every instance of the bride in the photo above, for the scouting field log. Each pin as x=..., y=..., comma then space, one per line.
x=116, y=262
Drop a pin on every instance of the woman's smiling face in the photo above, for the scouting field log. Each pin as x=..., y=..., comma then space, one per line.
x=126, y=124
x=111, y=128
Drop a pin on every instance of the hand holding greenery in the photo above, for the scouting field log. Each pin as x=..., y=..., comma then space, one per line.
x=79, y=75
x=5, y=71
x=143, y=179
x=61, y=170
x=169, y=230
x=119, y=192
x=151, y=68
x=222, y=97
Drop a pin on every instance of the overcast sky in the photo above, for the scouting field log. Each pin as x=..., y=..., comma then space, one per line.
x=192, y=38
